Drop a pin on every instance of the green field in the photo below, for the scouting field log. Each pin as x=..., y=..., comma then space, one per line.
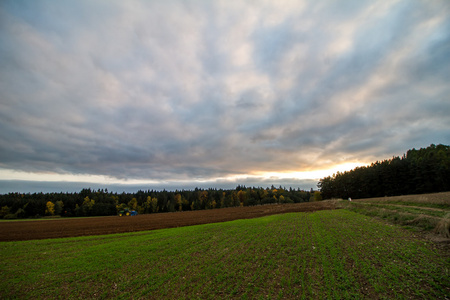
x=326, y=254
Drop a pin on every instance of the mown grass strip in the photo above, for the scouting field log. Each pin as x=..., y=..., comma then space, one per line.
x=328, y=254
x=444, y=205
x=409, y=209
x=416, y=218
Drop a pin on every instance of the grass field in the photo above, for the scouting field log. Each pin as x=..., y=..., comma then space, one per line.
x=427, y=212
x=336, y=254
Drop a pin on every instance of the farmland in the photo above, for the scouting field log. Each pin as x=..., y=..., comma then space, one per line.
x=70, y=227
x=322, y=254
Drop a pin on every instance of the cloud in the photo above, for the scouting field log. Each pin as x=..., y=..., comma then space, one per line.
x=193, y=90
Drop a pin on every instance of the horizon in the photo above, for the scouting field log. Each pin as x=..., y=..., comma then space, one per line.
x=57, y=186
x=216, y=94
x=129, y=189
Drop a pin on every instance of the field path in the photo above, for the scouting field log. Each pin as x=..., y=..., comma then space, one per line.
x=60, y=228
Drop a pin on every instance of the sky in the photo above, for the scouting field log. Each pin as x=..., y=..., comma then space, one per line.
x=175, y=94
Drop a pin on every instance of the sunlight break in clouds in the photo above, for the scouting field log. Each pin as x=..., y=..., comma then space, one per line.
x=189, y=92
x=55, y=177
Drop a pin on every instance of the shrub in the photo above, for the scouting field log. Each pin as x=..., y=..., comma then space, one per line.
x=10, y=216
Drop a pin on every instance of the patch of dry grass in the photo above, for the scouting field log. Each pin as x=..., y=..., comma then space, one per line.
x=442, y=199
x=443, y=227
x=428, y=212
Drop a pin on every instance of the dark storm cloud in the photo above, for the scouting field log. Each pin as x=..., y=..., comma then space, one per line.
x=174, y=91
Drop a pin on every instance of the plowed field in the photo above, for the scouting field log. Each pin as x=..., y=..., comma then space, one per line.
x=59, y=228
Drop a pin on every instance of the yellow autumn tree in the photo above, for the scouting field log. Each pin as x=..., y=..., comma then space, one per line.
x=179, y=202
x=50, y=208
x=87, y=206
x=148, y=205
x=242, y=196
x=133, y=204
x=154, y=205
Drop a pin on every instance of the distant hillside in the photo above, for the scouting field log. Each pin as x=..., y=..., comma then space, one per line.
x=420, y=171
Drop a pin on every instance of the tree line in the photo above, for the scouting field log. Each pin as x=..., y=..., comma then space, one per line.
x=104, y=203
x=420, y=171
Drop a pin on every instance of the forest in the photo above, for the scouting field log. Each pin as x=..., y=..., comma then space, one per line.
x=104, y=203
x=426, y=170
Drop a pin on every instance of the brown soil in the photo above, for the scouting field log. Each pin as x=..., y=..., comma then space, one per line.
x=59, y=228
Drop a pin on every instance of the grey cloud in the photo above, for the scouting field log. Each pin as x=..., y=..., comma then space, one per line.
x=272, y=43
x=152, y=90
